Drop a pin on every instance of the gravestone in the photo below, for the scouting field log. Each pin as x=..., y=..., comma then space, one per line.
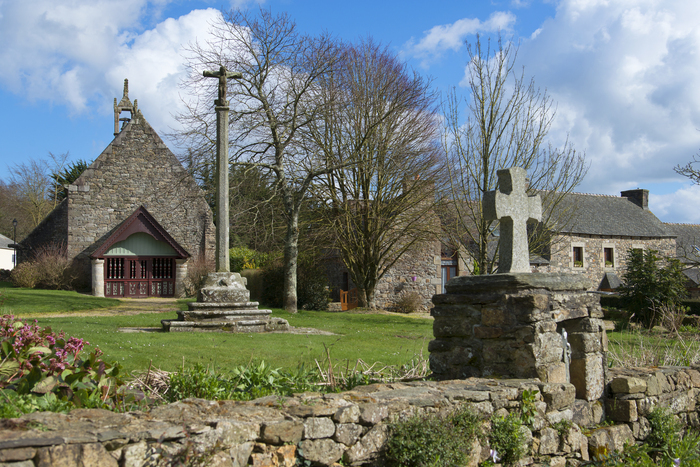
x=512, y=324
x=223, y=303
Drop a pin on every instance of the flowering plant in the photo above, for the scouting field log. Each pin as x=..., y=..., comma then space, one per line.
x=37, y=360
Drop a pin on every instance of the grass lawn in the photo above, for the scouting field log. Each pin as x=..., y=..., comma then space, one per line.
x=27, y=302
x=653, y=348
x=389, y=339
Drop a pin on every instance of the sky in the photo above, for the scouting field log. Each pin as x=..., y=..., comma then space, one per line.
x=623, y=73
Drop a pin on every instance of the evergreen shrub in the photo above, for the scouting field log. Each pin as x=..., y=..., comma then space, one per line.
x=244, y=258
x=312, y=284
x=432, y=440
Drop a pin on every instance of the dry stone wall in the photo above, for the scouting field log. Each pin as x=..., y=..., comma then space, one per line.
x=350, y=427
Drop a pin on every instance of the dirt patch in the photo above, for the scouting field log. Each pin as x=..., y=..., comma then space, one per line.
x=130, y=306
x=367, y=311
x=293, y=330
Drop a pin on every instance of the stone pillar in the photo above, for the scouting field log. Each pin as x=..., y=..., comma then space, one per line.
x=180, y=275
x=510, y=326
x=222, y=214
x=98, y=277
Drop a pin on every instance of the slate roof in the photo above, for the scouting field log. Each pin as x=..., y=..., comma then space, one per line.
x=693, y=275
x=610, y=215
x=5, y=242
x=687, y=241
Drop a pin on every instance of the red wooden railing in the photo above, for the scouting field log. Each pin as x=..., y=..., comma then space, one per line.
x=348, y=300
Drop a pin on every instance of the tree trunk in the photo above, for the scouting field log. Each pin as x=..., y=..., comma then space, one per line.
x=291, y=253
x=361, y=298
x=365, y=298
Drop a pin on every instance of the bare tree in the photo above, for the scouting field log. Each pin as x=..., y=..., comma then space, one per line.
x=507, y=121
x=274, y=100
x=383, y=130
x=689, y=170
x=34, y=187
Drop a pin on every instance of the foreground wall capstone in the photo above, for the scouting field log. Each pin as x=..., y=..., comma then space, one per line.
x=349, y=427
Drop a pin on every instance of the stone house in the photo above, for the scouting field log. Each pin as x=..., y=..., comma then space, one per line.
x=602, y=230
x=688, y=252
x=599, y=231
x=133, y=219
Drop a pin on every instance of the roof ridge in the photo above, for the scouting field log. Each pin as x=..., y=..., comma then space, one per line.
x=597, y=194
x=682, y=223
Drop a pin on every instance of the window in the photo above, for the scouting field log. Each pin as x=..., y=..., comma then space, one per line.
x=578, y=256
x=609, y=257
x=448, y=268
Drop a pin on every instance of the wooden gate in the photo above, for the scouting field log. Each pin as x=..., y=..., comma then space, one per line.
x=348, y=300
x=139, y=277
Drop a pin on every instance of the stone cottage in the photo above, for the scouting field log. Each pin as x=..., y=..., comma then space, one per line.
x=133, y=219
x=602, y=230
x=688, y=252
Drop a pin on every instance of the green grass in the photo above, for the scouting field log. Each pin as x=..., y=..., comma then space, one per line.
x=27, y=302
x=652, y=348
x=391, y=340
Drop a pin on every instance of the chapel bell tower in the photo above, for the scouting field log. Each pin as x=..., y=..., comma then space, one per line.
x=124, y=105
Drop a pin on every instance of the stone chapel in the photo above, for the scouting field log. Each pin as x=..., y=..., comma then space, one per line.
x=133, y=219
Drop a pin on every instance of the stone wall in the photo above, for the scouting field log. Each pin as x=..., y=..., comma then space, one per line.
x=632, y=393
x=594, y=268
x=418, y=270
x=349, y=427
x=137, y=169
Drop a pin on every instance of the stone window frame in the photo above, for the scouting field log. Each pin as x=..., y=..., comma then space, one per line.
x=615, y=262
x=581, y=245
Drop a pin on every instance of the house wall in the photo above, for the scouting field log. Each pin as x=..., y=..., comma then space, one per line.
x=6, y=258
x=421, y=262
x=594, y=268
x=136, y=169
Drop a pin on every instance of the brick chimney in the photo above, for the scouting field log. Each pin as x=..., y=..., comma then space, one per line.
x=639, y=197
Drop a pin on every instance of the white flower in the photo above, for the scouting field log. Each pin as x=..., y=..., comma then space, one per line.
x=494, y=456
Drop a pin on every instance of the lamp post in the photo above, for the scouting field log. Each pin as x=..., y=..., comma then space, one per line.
x=14, y=242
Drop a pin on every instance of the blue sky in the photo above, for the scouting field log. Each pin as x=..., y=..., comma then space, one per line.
x=624, y=73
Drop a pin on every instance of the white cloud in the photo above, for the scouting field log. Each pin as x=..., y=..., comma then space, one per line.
x=624, y=74
x=77, y=53
x=680, y=206
x=154, y=64
x=452, y=36
x=51, y=50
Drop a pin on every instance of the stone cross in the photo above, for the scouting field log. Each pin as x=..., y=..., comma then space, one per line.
x=513, y=208
x=222, y=216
